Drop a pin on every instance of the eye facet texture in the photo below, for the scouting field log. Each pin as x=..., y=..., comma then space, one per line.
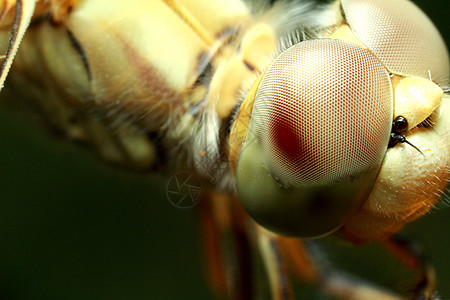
x=401, y=36
x=323, y=113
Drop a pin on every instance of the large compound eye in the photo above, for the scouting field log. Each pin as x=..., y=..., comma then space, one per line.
x=322, y=112
x=401, y=36
x=318, y=133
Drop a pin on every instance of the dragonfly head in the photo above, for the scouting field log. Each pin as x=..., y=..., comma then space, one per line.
x=312, y=135
x=319, y=129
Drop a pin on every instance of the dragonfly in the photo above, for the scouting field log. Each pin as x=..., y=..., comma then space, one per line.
x=133, y=133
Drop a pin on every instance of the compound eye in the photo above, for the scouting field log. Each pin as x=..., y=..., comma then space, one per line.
x=322, y=113
x=321, y=121
x=401, y=36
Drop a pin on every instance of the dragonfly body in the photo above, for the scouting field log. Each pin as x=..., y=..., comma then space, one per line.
x=182, y=78
x=88, y=91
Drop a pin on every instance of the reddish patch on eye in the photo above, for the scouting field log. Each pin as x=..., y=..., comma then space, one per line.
x=293, y=151
x=285, y=138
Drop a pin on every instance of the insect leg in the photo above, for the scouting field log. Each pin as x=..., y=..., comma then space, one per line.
x=300, y=262
x=332, y=282
x=275, y=264
x=212, y=249
x=414, y=256
x=23, y=13
x=346, y=287
x=226, y=245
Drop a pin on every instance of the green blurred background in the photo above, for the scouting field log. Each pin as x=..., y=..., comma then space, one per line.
x=72, y=227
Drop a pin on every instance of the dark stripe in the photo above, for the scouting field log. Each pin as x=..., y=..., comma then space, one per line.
x=249, y=66
x=12, y=40
x=76, y=44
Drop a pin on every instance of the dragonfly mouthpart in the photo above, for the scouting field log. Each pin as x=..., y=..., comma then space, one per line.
x=400, y=125
x=399, y=138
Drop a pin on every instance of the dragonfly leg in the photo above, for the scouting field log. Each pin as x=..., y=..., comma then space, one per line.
x=227, y=239
x=300, y=261
x=332, y=282
x=414, y=256
x=274, y=264
x=226, y=245
x=343, y=286
x=24, y=10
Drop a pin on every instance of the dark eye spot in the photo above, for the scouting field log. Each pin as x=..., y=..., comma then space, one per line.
x=400, y=124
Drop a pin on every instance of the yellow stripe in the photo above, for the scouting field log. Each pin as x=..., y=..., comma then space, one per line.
x=240, y=127
x=190, y=19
